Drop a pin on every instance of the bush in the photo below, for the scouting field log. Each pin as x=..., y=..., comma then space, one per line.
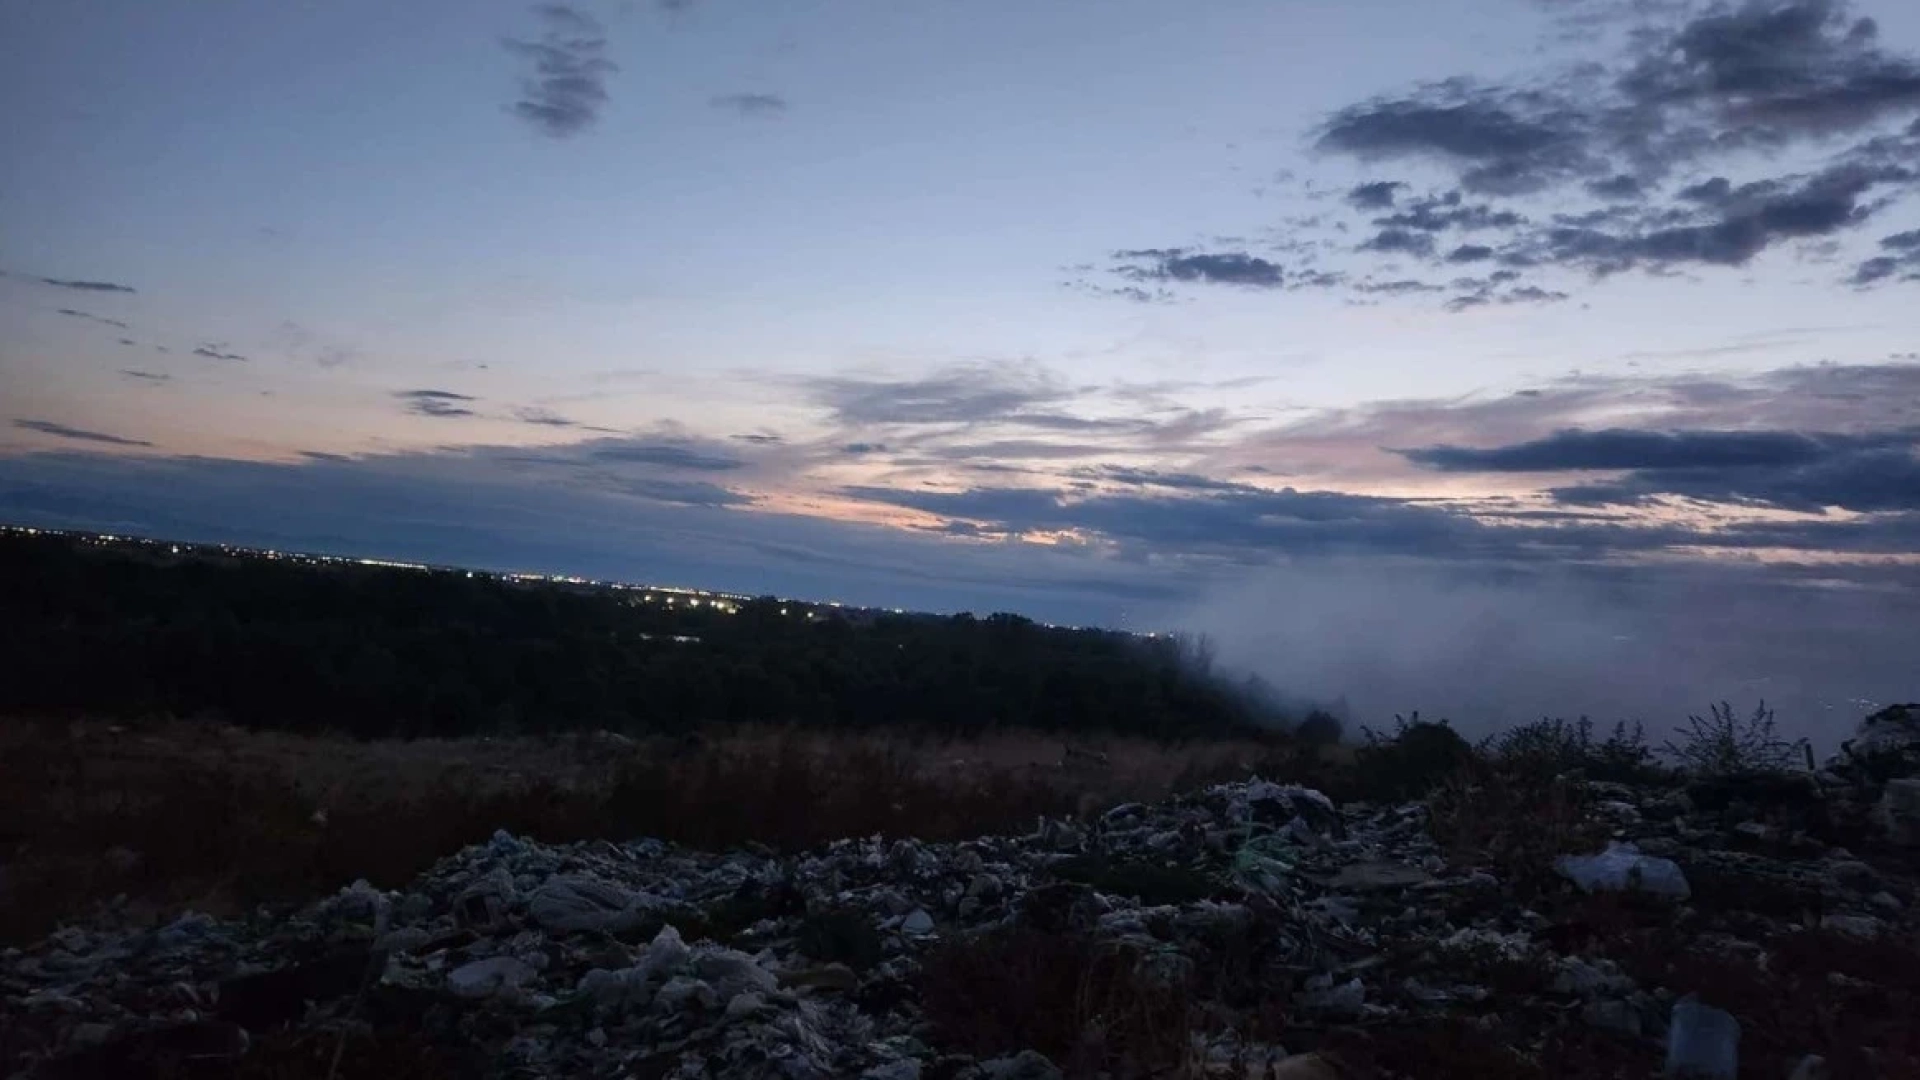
x=1552, y=746
x=1415, y=759
x=1720, y=744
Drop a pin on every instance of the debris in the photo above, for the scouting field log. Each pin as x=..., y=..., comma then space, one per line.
x=498, y=976
x=1621, y=868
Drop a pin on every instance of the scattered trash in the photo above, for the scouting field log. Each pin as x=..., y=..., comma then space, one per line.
x=1621, y=868
x=605, y=959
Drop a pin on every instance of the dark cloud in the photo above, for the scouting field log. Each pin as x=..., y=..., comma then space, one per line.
x=439, y=403
x=1622, y=448
x=1622, y=187
x=666, y=455
x=48, y=427
x=1399, y=241
x=101, y=319
x=1690, y=90
x=1770, y=70
x=1901, y=263
x=568, y=87
x=533, y=414
x=217, y=352
x=1740, y=225
x=146, y=376
x=751, y=104
x=685, y=492
x=1219, y=268
x=1805, y=471
x=1467, y=253
x=1378, y=195
x=760, y=438
x=1501, y=140
x=85, y=286
x=1438, y=213
x=858, y=449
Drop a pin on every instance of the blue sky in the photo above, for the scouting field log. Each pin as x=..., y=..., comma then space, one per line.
x=1088, y=309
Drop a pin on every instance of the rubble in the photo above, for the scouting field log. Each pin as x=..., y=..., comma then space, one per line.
x=611, y=959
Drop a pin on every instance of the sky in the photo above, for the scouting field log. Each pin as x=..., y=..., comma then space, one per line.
x=1105, y=311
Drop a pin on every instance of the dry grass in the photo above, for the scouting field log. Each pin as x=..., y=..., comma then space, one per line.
x=183, y=815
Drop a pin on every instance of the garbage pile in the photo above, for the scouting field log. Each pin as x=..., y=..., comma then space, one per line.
x=1296, y=935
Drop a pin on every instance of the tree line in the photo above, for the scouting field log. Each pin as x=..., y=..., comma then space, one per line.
x=136, y=631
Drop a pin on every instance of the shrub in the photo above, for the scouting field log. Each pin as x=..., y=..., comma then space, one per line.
x=1554, y=745
x=1720, y=744
x=1415, y=759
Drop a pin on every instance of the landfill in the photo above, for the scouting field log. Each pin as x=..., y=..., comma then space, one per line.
x=1341, y=923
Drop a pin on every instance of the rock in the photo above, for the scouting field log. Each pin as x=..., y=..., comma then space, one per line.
x=730, y=973
x=665, y=956
x=683, y=991
x=908, y=1069
x=1897, y=814
x=270, y=998
x=1619, y=1017
x=166, y=1051
x=496, y=976
x=612, y=988
x=1811, y=1067
x=1379, y=875
x=1621, y=868
x=1886, y=902
x=917, y=922
x=1856, y=926
x=579, y=902
x=1026, y=1065
x=1304, y=1067
x=824, y=977
x=1885, y=744
x=1323, y=995
x=1702, y=1041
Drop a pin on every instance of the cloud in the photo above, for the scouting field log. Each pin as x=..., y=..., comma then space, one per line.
x=146, y=376
x=1780, y=69
x=760, y=438
x=685, y=492
x=762, y=105
x=439, y=403
x=217, y=352
x=1633, y=151
x=667, y=455
x=101, y=319
x=1438, y=213
x=1797, y=470
x=1740, y=225
x=1399, y=241
x=568, y=87
x=541, y=417
x=1901, y=263
x=48, y=427
x=1503, y=141
x=857, y=449
x=1221, y=268
x=1376, y=195
x=966, y=394
x=86, y=286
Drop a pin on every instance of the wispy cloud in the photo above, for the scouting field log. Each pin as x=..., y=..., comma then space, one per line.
x=218, y=352
x=86, y=286
x=48, y=427
x=90, y=317
x=567, y=89
x=444, y=404
x=151, y=377
x=758, y=105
